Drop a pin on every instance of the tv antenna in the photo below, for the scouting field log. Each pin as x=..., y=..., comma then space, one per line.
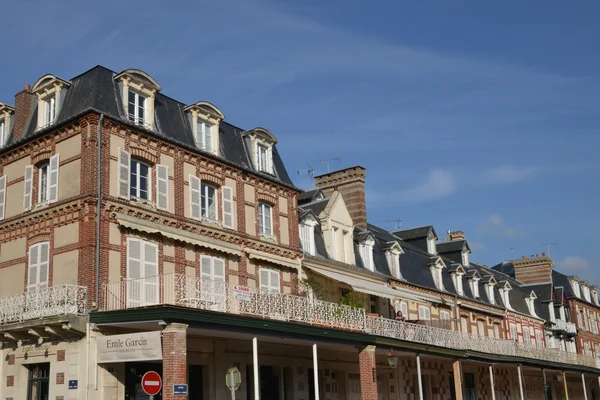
x=549, y=245
x=397, y=223
x=512, y=252
x=328, y=161
x=310, y=171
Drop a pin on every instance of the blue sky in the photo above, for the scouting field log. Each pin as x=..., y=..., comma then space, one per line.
x=482, y=118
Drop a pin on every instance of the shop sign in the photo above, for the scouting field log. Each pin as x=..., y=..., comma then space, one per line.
x=242, y=293
x=144, y=346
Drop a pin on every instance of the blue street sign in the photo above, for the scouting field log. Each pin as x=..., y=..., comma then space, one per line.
x=73, y=384
x=180, y=390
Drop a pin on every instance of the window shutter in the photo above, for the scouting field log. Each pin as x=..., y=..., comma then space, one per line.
x=219, y=269
x=124, y=165
x=33, y=267
x=264, y=279
x=2, y=196
x=195, y=196
x=53, y=178
x=134, y=273
x=162, y=187
x=227, y=206
x=274, y=282
x=28, y=185
x=150, y=273
x=44, y=264
x=206, y=267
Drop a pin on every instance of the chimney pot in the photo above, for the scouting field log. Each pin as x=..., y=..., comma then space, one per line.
x=537, y=256
x=524, y=257
x=27, y=87
x=543, y=254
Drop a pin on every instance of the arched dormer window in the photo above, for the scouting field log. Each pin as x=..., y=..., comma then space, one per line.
x=6, y=113
x=138, y=93
x=489, y=284
x=50, y=92
x=436, y=265
x=504, y=294
x=261, y=147
x=205, y=119
x=457, y=277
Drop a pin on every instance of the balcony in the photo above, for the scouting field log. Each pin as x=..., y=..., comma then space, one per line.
x=44, y=302
x=564, y=326
x=187, y=291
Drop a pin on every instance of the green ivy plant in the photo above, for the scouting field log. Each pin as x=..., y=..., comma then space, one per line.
x=312, y=284
x=352, y=299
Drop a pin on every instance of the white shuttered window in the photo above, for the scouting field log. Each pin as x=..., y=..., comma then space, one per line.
x=265, y=218
x=228, y=221
x=53, y=178
x=162, y=187
x=28, y=185
x=307, y=238
x=39, y=255
x=269, y=280
x=212, y=289
x=142, y=272
x=195, y=196
x=124, y=161
x=2, y=196
x=424, y=313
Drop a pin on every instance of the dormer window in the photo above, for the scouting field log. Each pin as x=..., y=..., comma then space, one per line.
x=366, y=253
x=50, y=92
x=474, y=283
x=205, y=119
x=5, y=113
x=261, y=145
x=489, y=287
x=458, y=283
x=465, y=257
x=431, y=243
x=586, y=293
x=595, y=295
x=504, y=294
x=436, y=265
x=575, y=286
x=531, y=303
x=138, y=93
x=307, y=234
x=136, y=108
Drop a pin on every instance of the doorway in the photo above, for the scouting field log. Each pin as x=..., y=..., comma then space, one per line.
x=39, y=382
x=195, y=382
x=133, y=380
x=268, y=380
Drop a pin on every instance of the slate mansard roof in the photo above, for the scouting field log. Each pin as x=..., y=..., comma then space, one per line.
x=97, y=91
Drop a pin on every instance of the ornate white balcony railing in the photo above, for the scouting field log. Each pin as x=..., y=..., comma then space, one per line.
x=182, y=290
x=43, y=302
x=568, y=327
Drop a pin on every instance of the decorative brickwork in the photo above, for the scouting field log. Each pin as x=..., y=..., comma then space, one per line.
x=60, y=355
x=60, y=378
x=10, y=380
x=368, y=375
x=174, y=344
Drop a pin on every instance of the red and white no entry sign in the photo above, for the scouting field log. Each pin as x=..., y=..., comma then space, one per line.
x=151, y=383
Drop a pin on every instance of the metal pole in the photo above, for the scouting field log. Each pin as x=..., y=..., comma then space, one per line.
x=232, y=385
x=316, y=371
x=584, y=390
x=545, y=384
x=492, y=382
x=521, y=382
x=255, y=369
x=419, y=377
x=565, y=385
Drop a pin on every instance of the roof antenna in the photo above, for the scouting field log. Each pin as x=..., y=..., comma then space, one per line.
x=512, y=253
x=397, y=223
x=310, y=171
x=328, y=161
x=548, y=245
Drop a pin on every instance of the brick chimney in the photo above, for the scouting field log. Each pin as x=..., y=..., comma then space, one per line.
x=535, y=269
x=350, y=182
x=23, y=108
x=456, y=235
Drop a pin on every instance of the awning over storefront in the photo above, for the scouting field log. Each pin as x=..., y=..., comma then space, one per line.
x=359, y=285
x=178, y=234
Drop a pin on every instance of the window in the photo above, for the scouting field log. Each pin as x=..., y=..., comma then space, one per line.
x=475, y=287
x=513, y=332
x=490, y=293
x=334, y=251
x=37, y=274
x=269, y=280
x=213, y=291
x=580, y=319
x=204, y=138
x=531, y=305
x=593, y=323
x=344, y=239
x=49, y=105
x=265, y=219
x=402, y=306
x=481, y=327
x=561, y=312
x=393, y=260
x=551, y=311
x=263, y=158
x=208, y=202
x=139, y=180
x=142, y=273
x=575, y=286
x=458, y=283
x=539, y=338
x=212, y=268
x=38, y=385
x=136, y=108
x=464, y=324
x=2, y=196
x=307, y=238
x=465, y=257
x=3, y=132
x=445, y=322
x=373, y=304
x=47, y=181
x=436, y=273
x=587, y=350
x=504, y=293
x=424, y=313
x=586, y=293
x=431, y=244
x=43, y=183
x=497, y=331
x=595, y=297
x=162, y=187
x=366, y=253
x=526, y=335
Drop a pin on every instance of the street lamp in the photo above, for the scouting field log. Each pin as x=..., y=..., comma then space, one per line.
x=392, y=359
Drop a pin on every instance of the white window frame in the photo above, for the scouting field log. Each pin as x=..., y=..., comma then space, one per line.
x=496, y=328
x=3, y=131
x=424, y=313
x=539, y=339
x=49, y=104
x=162, y=182
x=401, y=306
x=586, y=294
x=431, y=248
x=465, y=257
x=40, y=281
x=205, y=189
x=307, y=238
x=490, y=293
x=551, y=311
x=514, y=335
x=273, y=276
x=145, y=284
x=464, y=324
x=366, y=253
x=204, y=137
x=138, y=163
x=334, y=252
x=575, y=287
x=436, y=273
x=264, y=157
x=474, y=283
x=458, y=283
x=481, y=327
x=135, y=117
x=445, y=315
x=265, y=211
x=344, y=250
x=2, y=196
x=43, y=178
x=526, y=335
x=393, y=260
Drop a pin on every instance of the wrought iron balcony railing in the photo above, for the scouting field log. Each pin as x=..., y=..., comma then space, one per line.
x=189, y=291
x=561, y=325
x=43, y=302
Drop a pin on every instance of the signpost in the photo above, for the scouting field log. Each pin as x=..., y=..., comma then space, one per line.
x=180, y=389
x=233, y=379
x=151, y=383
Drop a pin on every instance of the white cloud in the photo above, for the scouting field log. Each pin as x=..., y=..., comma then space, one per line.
x=439, y=183
x=505, y=174
x=494, y=225
x=573, y=263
